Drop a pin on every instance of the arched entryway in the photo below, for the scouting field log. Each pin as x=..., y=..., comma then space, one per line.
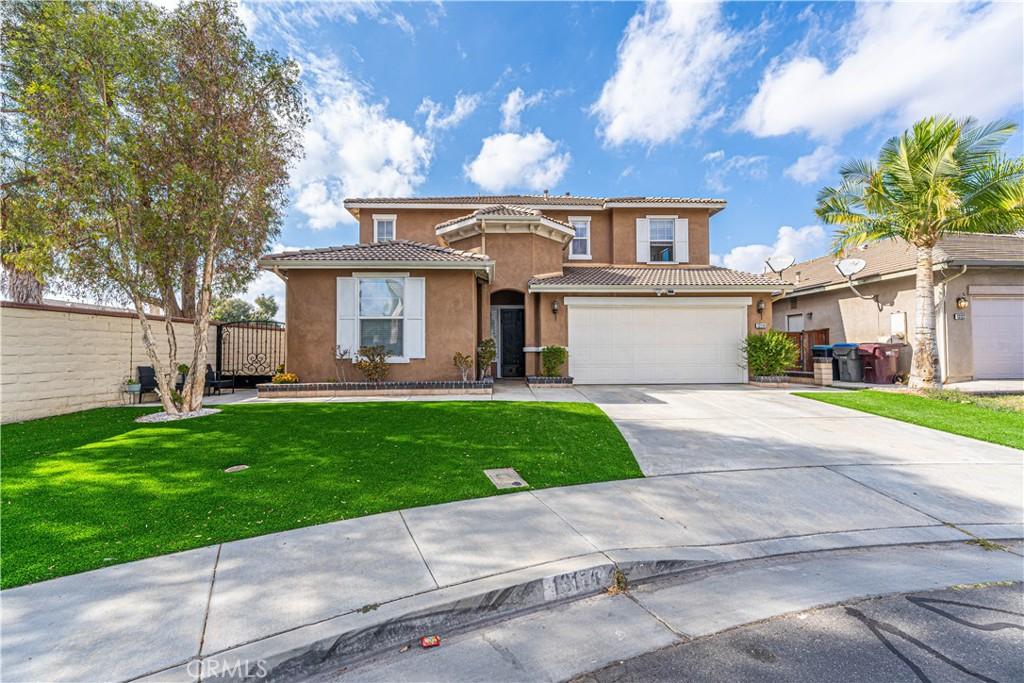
x=508, y=327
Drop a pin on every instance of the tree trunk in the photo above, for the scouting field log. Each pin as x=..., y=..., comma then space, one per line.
x=924, y=372
x=22, y=286
x=193, y=397
x=163, y=376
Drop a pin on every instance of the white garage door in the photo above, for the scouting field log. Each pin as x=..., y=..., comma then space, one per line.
x=656, y=341
x=998, y=333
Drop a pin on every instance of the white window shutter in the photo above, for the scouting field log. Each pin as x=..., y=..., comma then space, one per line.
x=415, y=307
x=682, y=246
x=643, y=240
x=348, y=302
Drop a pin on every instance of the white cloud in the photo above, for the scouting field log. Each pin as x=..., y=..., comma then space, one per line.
x=905, y=60
x=353, y=147
x=801, y=243
x=812, y=167
x=438, y=120
x=515, y=103
x=511, y=160
x=671, y=62
x=720, y=168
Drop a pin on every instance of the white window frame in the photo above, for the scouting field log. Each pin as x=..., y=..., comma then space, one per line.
x=671, y=242
x=590, y=236
x=401, y=358
x=379, y=217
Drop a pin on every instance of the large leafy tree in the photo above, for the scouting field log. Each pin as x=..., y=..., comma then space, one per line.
x=942, y=176
x=161, y=143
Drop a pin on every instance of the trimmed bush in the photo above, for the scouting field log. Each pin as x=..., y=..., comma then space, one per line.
x=373, y=363
x=285, y=378
x=770, y=354
x=486, y=352
x=552, y=358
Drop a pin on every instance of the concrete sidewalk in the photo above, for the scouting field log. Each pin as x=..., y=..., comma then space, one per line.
x=296, y=597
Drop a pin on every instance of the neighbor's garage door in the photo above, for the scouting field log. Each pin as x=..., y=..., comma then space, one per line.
x=656, y=340
x=998, y=334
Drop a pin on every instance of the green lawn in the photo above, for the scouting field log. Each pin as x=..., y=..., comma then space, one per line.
x=95, y=488
x=978, y=419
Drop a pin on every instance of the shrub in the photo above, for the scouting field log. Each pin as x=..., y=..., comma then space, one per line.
x=373, y=363
x=552, y=358
x=770, y=354
x=183, y=370
x=486, y=352
x=464, y=362
x=342, y=357
x=285, y=378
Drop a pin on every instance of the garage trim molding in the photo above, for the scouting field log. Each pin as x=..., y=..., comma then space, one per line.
x=632, y=301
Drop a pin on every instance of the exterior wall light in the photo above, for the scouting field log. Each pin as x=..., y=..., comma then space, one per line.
x=554, y=306
x=760, y=305
x=962, y=302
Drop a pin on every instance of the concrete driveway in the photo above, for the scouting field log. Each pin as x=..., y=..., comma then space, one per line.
x=712, y=428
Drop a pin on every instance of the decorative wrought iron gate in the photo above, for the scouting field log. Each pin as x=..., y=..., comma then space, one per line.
x=250, y=350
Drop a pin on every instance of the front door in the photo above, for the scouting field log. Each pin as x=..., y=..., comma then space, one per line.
x=513, y=338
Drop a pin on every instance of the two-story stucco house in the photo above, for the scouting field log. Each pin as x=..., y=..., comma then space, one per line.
x=625, y=283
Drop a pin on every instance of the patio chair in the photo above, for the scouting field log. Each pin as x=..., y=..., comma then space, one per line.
x=147, y=378
x=214, y=384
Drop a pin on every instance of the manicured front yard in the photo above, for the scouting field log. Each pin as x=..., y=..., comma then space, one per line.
x=982, y=419
x=96, y=488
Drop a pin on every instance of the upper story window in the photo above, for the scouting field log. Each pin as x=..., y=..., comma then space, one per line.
x=384, y=227
x=663, y=237
x=580, y=247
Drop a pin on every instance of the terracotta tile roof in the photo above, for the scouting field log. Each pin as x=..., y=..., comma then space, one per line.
x=503, y=210
x=664, y=200
x=395, y=250
x=533, y=200
x=893, y=256
x=654, y=276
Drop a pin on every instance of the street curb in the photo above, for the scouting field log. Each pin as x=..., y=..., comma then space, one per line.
x=351, y=638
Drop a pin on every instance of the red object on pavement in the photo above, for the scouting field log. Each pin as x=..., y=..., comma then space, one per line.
x=430, y=641
x=881, y=362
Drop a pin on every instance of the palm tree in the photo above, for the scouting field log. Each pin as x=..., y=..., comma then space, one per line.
x=942, y=176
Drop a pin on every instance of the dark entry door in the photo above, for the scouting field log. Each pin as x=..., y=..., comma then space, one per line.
x=513, y=337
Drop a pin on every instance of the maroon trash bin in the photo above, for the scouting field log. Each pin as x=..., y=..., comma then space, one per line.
x=881, y=362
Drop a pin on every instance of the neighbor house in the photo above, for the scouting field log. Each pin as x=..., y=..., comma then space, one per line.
x=624, y=283
x=979, y=295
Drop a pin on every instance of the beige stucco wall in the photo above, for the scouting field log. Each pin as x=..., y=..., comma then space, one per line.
x=60, y=361
x=851, y=319
x=449, y=318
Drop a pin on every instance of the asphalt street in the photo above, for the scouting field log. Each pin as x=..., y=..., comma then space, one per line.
x=973, y=633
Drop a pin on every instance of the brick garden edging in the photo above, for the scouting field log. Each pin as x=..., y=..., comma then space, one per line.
x=550, y=382
x=327, y=389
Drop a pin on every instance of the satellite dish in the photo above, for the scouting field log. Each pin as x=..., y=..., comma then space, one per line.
x=849, y=267
x=780, y=262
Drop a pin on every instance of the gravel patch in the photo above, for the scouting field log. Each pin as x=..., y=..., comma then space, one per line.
x=167, y=417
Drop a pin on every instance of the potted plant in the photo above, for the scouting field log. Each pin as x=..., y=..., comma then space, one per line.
x=183, y=371
x=131, y=385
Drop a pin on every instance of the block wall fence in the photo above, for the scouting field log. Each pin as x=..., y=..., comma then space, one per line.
x=57, y=359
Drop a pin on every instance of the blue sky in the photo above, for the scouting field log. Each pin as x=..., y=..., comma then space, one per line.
x=754, y=102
